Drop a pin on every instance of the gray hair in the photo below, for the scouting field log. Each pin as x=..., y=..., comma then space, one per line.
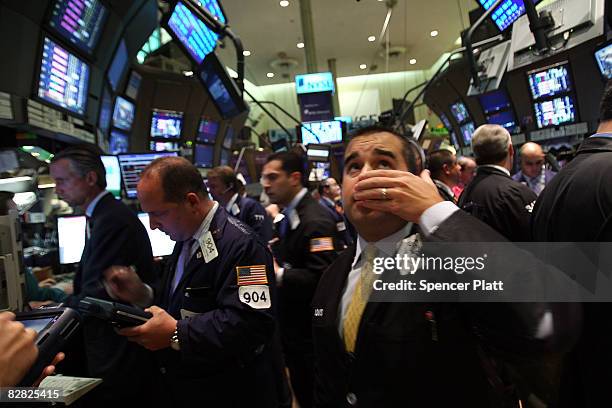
x=84, y=158
x=490, y=144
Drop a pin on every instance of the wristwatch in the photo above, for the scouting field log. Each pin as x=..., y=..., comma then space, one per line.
x=174, y=341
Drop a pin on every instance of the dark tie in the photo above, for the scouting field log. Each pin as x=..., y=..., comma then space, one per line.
x=183, y=259
x=283, y=227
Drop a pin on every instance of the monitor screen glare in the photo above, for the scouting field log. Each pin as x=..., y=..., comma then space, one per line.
x=79, y=21
x=123, y=115
x=555, y=112
x=326, y=132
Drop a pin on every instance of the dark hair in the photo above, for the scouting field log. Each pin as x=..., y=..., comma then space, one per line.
x=84, y=158
x=178, y=178
x=321, y=186
x=226, y=175
x=290, y=163
x=413, y=153
x=436, y=161
x=605, y=107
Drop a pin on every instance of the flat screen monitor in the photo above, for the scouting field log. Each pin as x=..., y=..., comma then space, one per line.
x=506, y=13
x=163, y=146
x=118, y=65
x=123, y=114
x=550, y=81
x=453, y=139
x=494, y=101
x=166, y=124
x=221, y=88
x=446, y=122
x=555, y=112
x=603, y=56
x=460, y=112
x=318, y=153
x=228, y=140
x=79, y=22
x=207, y=131
x=71, y=238
x=133, y=85
x=504, y=118
x=467, y=131
x=203, y=156
x=321, y=132
x=133, y=164
x=225, y=157
x=64, y=78
x=191, y=32
x=161, y=244
x=118, y=142
x=113, y=175
x=105, y=111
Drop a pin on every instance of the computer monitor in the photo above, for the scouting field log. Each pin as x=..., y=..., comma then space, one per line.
x=603, y=56
x=106, y=105
x=192, y=33
x=550, y=81
x=555, y=112
x=133, y=164
x=507, y=12
x=163, y=146
x=504, y=118
x=203, y=156
x=63, y=79
x=123, y=114
x=207, y=131
x=221, y=87
x=467, y=131
x=79, y=22
x=228, y=140
x=118, y=142
x=133, y=85
x=318, y=153
x=166, y=124
x=71, y=238
x=460, y=112
x=446, y=122
x=118, y=65
x=494, y=101
x=113, y=175
x=225, y=157
x=321, y=132
x=453, y=140
x=161, y=244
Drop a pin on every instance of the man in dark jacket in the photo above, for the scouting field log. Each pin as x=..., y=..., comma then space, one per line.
x=493, y=197
x=445, y=172
x=330, y=191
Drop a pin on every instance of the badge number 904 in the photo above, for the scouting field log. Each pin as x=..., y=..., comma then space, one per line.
x=256, y=296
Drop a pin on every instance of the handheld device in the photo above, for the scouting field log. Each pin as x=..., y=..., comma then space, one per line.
x=54, y=326
x=119, y=315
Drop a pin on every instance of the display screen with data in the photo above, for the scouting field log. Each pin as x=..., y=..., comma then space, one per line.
x=460, y=112
x=133, y=85
x=79, y=22
x=207, y=131
x=446, y=122
x=506, y=13
x=106, y=106
x=71, y=238
x=555, y=112
x=604, y=60
x=504, y=118
x=203, y=156
x=221, y=88
x=163, y=146
x=113, y=175
x=161, y=244
x=228, y=141
x=118, y=65
x=64, y=78
x=118, y=142
x=166, y=124
x=123, y=114
x=467, y=131
x=322, y=132
x=549, y=82
x=133, y=164
x=191, y=32
x=494, y=101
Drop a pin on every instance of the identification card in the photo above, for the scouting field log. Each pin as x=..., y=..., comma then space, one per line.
x=340, y=226
x=256, y=296
x=208, y=247
x=187, y=313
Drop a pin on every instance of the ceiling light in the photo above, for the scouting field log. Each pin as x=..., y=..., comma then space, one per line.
x=363, y=66
x=412, y=61
x=284, y=3
x=188, y=73
x=371, y=38
x=300, y=45
x=246, y=53
x=270, y=74
x=434, y=33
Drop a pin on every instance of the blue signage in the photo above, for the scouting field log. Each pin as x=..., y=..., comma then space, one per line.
x=311, y=83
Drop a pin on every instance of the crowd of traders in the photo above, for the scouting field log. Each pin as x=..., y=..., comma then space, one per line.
x=269, y=306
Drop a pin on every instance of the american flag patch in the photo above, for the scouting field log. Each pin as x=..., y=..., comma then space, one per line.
x=321, y=244
x=251, y=275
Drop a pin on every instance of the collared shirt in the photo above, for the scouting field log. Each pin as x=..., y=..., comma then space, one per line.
x=329, y=201
x=495, y=166
x=231, y=202
x=92, y=206
x=291, y=207
x=198, y=236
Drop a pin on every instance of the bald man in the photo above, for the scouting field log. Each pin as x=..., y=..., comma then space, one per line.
x=533, y=172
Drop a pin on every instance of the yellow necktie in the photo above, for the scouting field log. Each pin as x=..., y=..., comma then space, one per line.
x=359, y=299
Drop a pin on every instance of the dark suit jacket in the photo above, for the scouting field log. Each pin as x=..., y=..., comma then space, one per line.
x=576, y=206
x=229, y=356
x=502, y=203
x=251, y=213
x=342, y=225
x=399, y=361
x=117, y=238
x=443, y=193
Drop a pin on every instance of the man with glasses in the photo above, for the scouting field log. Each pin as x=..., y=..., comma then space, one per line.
x=533, y=171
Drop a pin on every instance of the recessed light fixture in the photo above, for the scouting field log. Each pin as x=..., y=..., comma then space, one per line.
x=300, y=45
x=434, y=33
x=246, y=53
x=188, y=73
x=412, y=61
x=371, y=38
x=270, y=74
x=363, y=66
x=284, y=3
